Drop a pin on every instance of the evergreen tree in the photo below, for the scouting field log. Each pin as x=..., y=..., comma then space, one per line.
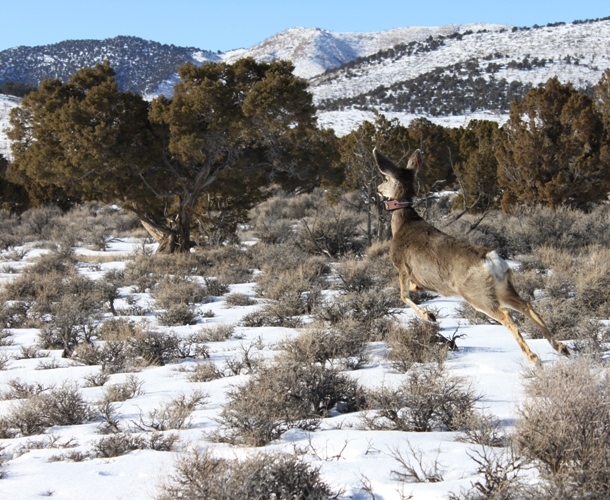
x=12, y=196
x=476, y=164
x=551, y=154
x=230, y=128
x=361, y=172
x=436, y=145
x=601, y=100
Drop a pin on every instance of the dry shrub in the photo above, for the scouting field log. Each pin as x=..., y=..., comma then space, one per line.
x=501, y=477
x=5, y=360
x=483, y=429
x=474, y=317
x=177, y=315
x=136, y=346
x=120, y=329
x=215, y=333
x=418, y=342
x=289, y=296
x=73, y=321
x=119, y=444
x=199, y=475
x=373, y=309
x=180, y=264
x=343, y=345
x=156, y=348
x=96, y=379
x=277, y=258
x=39, y=222
x=430, y=399
x=247, y=361
x=332, y=231
x=130, y=388
x=13, y=315
x=174, y=414
x=230, y=264
x=177, y=296
x=280, y=397
x=63, y=405
x=239, y=300
x=21, y=390
x=356, y=276
x=564, y=427
x=204, y=372
x=593, y=282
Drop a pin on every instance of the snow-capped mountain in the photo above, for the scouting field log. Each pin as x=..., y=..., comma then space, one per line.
x=474, y=71
x=314, y=51
x=449, y=74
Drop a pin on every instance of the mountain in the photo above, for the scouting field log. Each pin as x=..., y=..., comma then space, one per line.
x=141, y=66
x=314, y=51
x=450, y=74
x=468, y=72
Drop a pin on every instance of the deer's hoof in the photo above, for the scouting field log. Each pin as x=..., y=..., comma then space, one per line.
x=429, y=317
x=536, y=361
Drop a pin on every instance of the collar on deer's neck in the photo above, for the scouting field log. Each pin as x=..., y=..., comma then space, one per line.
x=392, y=205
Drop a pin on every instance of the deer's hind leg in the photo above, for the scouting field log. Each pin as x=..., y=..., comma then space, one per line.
x=524, y=307
x=502, y=316
x=406, y=286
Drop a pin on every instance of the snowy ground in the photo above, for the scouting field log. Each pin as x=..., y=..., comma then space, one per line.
x=346, y=121
x=488, y=358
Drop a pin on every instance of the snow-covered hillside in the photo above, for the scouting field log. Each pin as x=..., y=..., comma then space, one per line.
x=314, y=50
x=579, y=54
x=353, y=74
x=6, y=104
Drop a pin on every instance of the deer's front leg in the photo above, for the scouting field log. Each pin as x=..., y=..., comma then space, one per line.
x=406, y=286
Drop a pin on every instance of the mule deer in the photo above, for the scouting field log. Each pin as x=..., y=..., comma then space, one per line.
x=428, y=259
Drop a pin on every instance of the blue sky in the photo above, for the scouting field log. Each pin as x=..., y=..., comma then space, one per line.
x=230, y=24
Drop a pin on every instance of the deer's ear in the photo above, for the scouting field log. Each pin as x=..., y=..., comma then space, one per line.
x=386, y=166
x=415, y=160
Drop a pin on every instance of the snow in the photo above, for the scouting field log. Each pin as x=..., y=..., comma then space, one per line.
x=344, y=122
x=488, y=358
x=314, y=50
x=6, y=104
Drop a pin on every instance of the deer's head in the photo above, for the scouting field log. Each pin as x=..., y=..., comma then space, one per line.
x=400, y=182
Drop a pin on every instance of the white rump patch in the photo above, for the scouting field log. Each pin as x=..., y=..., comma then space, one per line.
x=496, y=265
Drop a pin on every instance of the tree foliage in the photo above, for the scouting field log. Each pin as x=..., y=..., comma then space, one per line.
x=361, y=172
x=12, y=196
x=551, y=154
x=229, y=130
x=476, y=165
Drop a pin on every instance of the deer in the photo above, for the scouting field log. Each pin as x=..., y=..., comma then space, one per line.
x=428, y=259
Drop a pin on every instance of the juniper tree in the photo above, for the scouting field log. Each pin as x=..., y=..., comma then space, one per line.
x=228, y=128
x=551, y=154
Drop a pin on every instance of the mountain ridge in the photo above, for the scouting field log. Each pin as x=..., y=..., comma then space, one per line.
x=449, y=74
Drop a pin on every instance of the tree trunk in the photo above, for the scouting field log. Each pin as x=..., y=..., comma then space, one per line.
x=170, y=240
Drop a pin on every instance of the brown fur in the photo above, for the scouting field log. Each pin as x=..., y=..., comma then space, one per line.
x=429, y=259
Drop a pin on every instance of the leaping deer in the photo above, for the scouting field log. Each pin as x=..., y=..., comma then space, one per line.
x=428, y=259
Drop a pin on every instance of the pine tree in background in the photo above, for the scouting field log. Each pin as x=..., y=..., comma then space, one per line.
x=551, y=154
x=13, y=197
x=361, y=172
x=601, y=100
x=476, y=165
x=437, y=147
